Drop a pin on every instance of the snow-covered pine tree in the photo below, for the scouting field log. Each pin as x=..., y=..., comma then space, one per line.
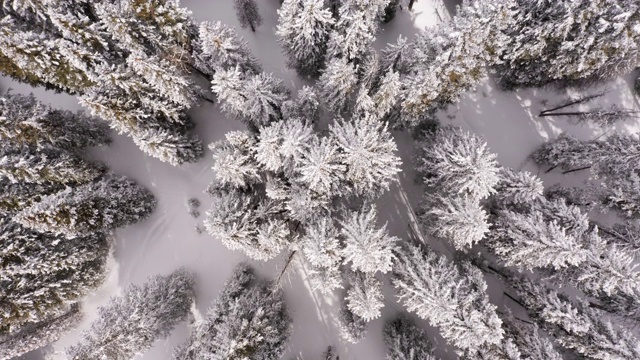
x=248, y=221
x=129, y=324
x=576, y=42
x=398, y=56
x=621, y=192
x=585, y=198
x=459, y=219
x=355, y=28
x=575, y=325
x=364, y=297
x=452, y=297
x=169, y=146
x=39, y=334
x=367, y=247
x=41, y=274
x=451, y=59
x=249, y=320
x=248, y=13
x=46, y=165
x=517, y=187
x=367, y=150
x=306, y=106
x=234, y=162
x=17, y=196
x=281, y=145
x=626, y=236
x=219, y=46
x=406, y=341
x=352, y=327
x=303, y=30
x=25, y=121
x=390, y=11
x=337, y=84
x=456, y=162
x=320, y=167
x=112, y=202
x=530, y=341
x=321, y=247
x=256, y=100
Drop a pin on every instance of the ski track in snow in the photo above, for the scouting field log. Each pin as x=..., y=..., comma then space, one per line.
x=167, y=240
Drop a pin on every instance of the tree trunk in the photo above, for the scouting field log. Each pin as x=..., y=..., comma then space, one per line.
x=578, y=101
x=286, y=265
x=574, y=113
x=411, y=4
x=253, y=28
x=578, y=169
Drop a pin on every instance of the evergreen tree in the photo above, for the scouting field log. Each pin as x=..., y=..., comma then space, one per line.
x=352, y=327
x=625, y=236
x=451, y=297
x=364, y=297
x=406, y=341
x=622, y=193
x=321, y=244
x=337, y=84
x=249, y=320
x=130, y=324
x=529, y=339
x=575, y=325
x=320, y=167
x=41, y=274
x=398, y=56
x=281, y=144
x=572, y=42
x=367, y=151
x=355, y=28
x=451, y=59
x=248, y=13
x=234, y=160
x=457, y=162
x=168, y=146
x=303, y=30
x=46, y=165
x=518, y=187
x=37, y=335
x=459, y=219
x=25, y=121
x=101, y=206
x=306, y=106
x=366, y=247
x=17, y=196
x=220, y=46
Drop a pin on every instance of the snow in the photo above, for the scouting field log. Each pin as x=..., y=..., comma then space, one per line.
x=168, y=240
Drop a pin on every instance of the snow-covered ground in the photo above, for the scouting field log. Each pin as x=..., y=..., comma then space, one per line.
x=168, y=240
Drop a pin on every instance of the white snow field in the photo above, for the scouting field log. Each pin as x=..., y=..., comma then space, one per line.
x=168, y=240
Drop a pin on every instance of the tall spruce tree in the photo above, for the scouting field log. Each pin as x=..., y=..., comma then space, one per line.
x=406, y=341
x=131, y=323
x=248, y=13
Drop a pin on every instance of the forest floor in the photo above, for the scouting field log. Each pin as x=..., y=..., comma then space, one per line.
x=168, y=239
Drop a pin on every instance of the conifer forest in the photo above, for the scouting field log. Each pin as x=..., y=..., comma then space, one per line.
x=319, y=179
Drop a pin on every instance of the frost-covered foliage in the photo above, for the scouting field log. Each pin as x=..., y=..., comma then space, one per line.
x=248, y=13
x=355, y=28
x=303, y=30
x=459, y=219
x=256, y=100
x=42, y=273
x=575, y=325
x=451, y=58
x=37, y=335
x=622, y=193
x=235, y=163
x=352, y=327
x=368, y=154
x=249, y=320
x=626, y=236
x=406, y=341
x=337, y=84
x=398, y=56
x=129, y=324
x=518, y=187
x=101, y=206
x=17, y=196
x=364, y=298
x=282, y=144
x=457, y=162
x=306, y=106
x=321, y=167
x=321, y=244
x=452, y=297
x=582, y=41
x=25, y=121
x=368, y=248
x=220, y=47
x=530, y=341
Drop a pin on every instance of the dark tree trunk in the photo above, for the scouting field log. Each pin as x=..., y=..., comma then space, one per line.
x=578, y=169
x=411, y=4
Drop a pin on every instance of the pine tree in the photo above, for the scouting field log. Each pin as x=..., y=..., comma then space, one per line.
x=451, y=59
x=398, y=56
x=575, y=325
x=457, y=162
x=518, y=187
x=576, y=42
x=451, y=297
x=37, y=335
x=248, y=13
x=367, y=151
x=320, y=167
x=101, y=206
x=15, y=197
x=459, y=219
x=364, y=298
x=406, y=341
x=249, y=320
x=234, y=160
x=220, y=46
x=621, y=192
x=337, y=84
x=306, y=106
x=367, y=247
x=130, y=324
x=321, y=244
x=168, y=146
x=25, y=121
x=303, y=31
x=41, y=274
x=626, y=236
x=282, y=143
x=352, y=327
x=46, y=165
x=529, y=339
x=390, y=11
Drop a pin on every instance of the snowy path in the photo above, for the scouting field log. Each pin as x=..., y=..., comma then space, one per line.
x=167, y=240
